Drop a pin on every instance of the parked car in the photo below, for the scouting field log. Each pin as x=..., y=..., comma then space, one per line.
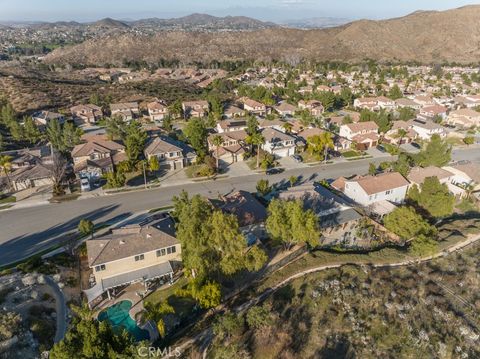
x=297, y=158
x=85, y=184
x=381, y=148
x=274, y=171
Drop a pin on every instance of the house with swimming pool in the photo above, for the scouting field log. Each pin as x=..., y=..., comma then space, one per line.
x=131, y=254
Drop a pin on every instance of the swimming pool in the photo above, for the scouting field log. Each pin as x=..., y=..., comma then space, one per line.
x=119, y=318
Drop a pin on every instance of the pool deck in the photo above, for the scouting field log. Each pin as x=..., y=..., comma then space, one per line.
x=130, y=294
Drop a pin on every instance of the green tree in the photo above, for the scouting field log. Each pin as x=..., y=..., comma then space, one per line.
x=71, y=135
x=217, y=141
x=406, y=113
x=263, y=187
x=134, y=142
x=318, y=145
x=259, y=317
x=115, y=179
x=196, y=133
x=212, y=244
x=434, y=197
x=228, y=325
x=88, y=338
x=401, y=133
x=155, y=312
x=31, y=132
x=55, y=135
x=395, y=93
x=436, y=153
x=256, y=139
x=6, y=166
x=407, y=223
x=208, y=295
x=153, y=164
x=372, y=169
x=289, y=223
x=85, y=227
x=469, y=140
x=115, y=128
x=293, y=180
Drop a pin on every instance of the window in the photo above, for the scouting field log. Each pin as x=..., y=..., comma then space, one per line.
x=388, y=192
x=100, y=268
x=140, y=257
x=169, y=250
x=174, y=249
x=161, y=252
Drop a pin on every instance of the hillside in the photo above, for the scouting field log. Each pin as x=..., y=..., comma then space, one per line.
x=452, y=35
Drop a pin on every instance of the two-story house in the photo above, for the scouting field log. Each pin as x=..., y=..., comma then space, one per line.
x=386, y=103
x=127, y=111
x=253, y=107
x=86, y=114
x=232, y=111
x=195, y=108
x=171, y=154
x=313, y=106
x=232, y=148
x=132, y=254
x=278, y=143
x=426, y=129
x=363, y=134
x=464, y=118
x=390, y=186
x=430, y=112
x=400, y=133
x=369, y=103
x=43, y=118
x=285, y=109
x=157, y=110
x=235, y=124
x=96, y=157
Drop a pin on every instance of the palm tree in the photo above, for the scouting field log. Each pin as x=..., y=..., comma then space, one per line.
x=258, y=140
x=217, y=141
x=328, y=143
x=6, y=166
x=287, y=126
x=155, y=313
x=401, y=133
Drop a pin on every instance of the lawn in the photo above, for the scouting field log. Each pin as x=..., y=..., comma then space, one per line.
x=8, y=199
x=352, y=153
x=183, y=305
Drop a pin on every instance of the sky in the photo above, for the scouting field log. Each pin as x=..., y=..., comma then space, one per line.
x=272, y=10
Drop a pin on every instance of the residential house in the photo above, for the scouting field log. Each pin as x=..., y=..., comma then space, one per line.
x=96, y=157
x=157, y=110
x=313, y=106
x=232, y=111
x=407, y=103
x=426, y=129
x=464, y=118
x=386, y=103
x=369, y=103
x=43, y=118
x=430, y=112
x=127, y=111
x=424, y=100
x=335, y=216
x=285, y=109
x=36, y=175
x=29, y=156
x=171, y=154
x=233, y=147
x=278, y=143
x=390, y=186
x=132, y=254
x=394, y=135
x=197, y=108
x=253, y=107
x=86, y=114
x=250, y=213
x=363, y=134
x=417, y=175
x=235, y=124
x=465, y=175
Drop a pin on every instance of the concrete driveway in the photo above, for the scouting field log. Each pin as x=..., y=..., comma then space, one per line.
x=290, y=164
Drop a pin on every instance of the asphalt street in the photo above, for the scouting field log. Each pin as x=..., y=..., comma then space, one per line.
x=26, y=231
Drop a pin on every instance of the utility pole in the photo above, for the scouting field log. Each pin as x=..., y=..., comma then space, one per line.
x=144, y=175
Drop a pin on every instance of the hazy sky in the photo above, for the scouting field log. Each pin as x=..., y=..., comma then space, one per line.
x=275, y=10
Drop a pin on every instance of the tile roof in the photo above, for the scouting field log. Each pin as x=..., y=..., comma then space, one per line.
x=381, y=183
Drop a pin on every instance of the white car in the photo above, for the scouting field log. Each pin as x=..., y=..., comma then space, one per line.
x=84, y=184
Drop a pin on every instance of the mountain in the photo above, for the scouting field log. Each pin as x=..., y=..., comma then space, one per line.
x=452, y=35
x=109, y=23
x=206, y=22
x=315, y=22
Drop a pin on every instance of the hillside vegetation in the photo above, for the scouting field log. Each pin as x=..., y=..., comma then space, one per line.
x=451, y=36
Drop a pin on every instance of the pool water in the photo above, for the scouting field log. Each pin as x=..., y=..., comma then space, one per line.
x=118, y=317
